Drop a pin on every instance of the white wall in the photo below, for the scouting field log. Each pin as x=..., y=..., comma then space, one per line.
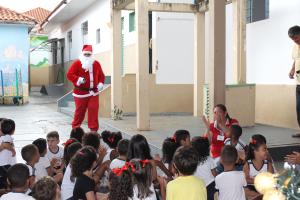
x=268, y=45
x=174, y=48
x=129, y=37
x=174, y=34
x=98, y=16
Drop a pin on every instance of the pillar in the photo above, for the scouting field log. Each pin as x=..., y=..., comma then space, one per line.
x=199, y=62
x=142, y=64
x=217, y=62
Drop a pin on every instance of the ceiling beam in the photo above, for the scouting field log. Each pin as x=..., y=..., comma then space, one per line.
x=168, y=7
x=201, y=6
x=121, y=4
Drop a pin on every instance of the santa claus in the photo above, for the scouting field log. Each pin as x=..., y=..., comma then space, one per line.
x=88, y=78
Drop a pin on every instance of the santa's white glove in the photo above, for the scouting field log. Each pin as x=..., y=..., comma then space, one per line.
x=80, y=81
x=100, y=87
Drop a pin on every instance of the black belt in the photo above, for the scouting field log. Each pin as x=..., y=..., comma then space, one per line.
x=86, y=89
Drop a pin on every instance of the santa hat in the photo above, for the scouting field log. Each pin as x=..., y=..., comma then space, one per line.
x=87, y=49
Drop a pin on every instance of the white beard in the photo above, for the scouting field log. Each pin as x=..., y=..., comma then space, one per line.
x=86, y=62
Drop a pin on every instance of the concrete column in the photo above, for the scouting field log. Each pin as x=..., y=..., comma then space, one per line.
x=142, y=64
x=216, y=53
x=199, y=62
x=116, y=78
x=239, y=40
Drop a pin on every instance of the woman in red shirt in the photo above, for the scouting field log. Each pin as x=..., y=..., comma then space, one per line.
x=216, y=131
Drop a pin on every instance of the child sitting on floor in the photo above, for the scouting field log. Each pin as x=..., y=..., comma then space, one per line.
x=18, y=179
x=122, y=150
x=82, y=165
x=230, y=183
x=186, y=185
x=46, y=189
x=55, y=153
x=257, y=160
x=120, y=184
x=111, y=139
x=7, y=157
x=206, y=169
x=233, y=139
x=43, y=167
x=31, y=155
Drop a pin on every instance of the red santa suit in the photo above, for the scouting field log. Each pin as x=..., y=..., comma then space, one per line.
x=88, y=78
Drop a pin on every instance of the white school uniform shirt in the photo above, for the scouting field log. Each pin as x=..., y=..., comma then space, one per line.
x=67, y=185
x=150, y=197
x=15, y=196
x=253, y=171
x=240, y=146
x=203, y=170
x=231, y=185
x=117, y=163
x=58, y=155
x=41, y=168
x=31, y=170
x=6, y=157
x=107, y=156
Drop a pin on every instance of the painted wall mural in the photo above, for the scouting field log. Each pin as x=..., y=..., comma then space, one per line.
x=14, y=53
x=39, y=55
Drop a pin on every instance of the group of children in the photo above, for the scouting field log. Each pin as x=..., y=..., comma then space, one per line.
x=106, y=166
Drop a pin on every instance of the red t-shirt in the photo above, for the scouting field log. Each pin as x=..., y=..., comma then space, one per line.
x=216, y=145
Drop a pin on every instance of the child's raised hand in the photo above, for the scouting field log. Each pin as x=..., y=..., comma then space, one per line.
x=53, y=162
x=102, y=151
x=205, y=121
x=106, y=164
x=242, y=155
x=162, y=181
x=157, y=157
x=13, y=151
x=293, y=158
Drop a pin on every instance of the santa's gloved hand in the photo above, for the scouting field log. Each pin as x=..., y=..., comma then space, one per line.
x=80, y=81
x=100, y=87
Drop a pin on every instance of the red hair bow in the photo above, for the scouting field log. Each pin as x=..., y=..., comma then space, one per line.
x=68, y=142
x=174, y=138
x=111, y=139
x=253, y=141
x=126, y=167
x=144, y=162
x=131, y=166
x=118, y=171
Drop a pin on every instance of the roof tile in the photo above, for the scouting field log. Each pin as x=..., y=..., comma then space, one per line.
x=39, y=14
x=7, y=15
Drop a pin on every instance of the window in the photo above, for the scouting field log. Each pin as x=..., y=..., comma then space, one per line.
x=69, y=37
x=131, y=21
x=84, y=31
x=98, y=36
x=54, y=52
x=257, y=10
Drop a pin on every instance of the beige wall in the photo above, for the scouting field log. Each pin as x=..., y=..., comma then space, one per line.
x=39, y=76
x=104, y=59
x=104, y=103
x=163, y=97
x=44, y=75
x=276, y=105
x=179, y=98
x=240, y=102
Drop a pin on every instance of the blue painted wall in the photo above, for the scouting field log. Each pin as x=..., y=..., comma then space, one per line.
x=14, y=54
